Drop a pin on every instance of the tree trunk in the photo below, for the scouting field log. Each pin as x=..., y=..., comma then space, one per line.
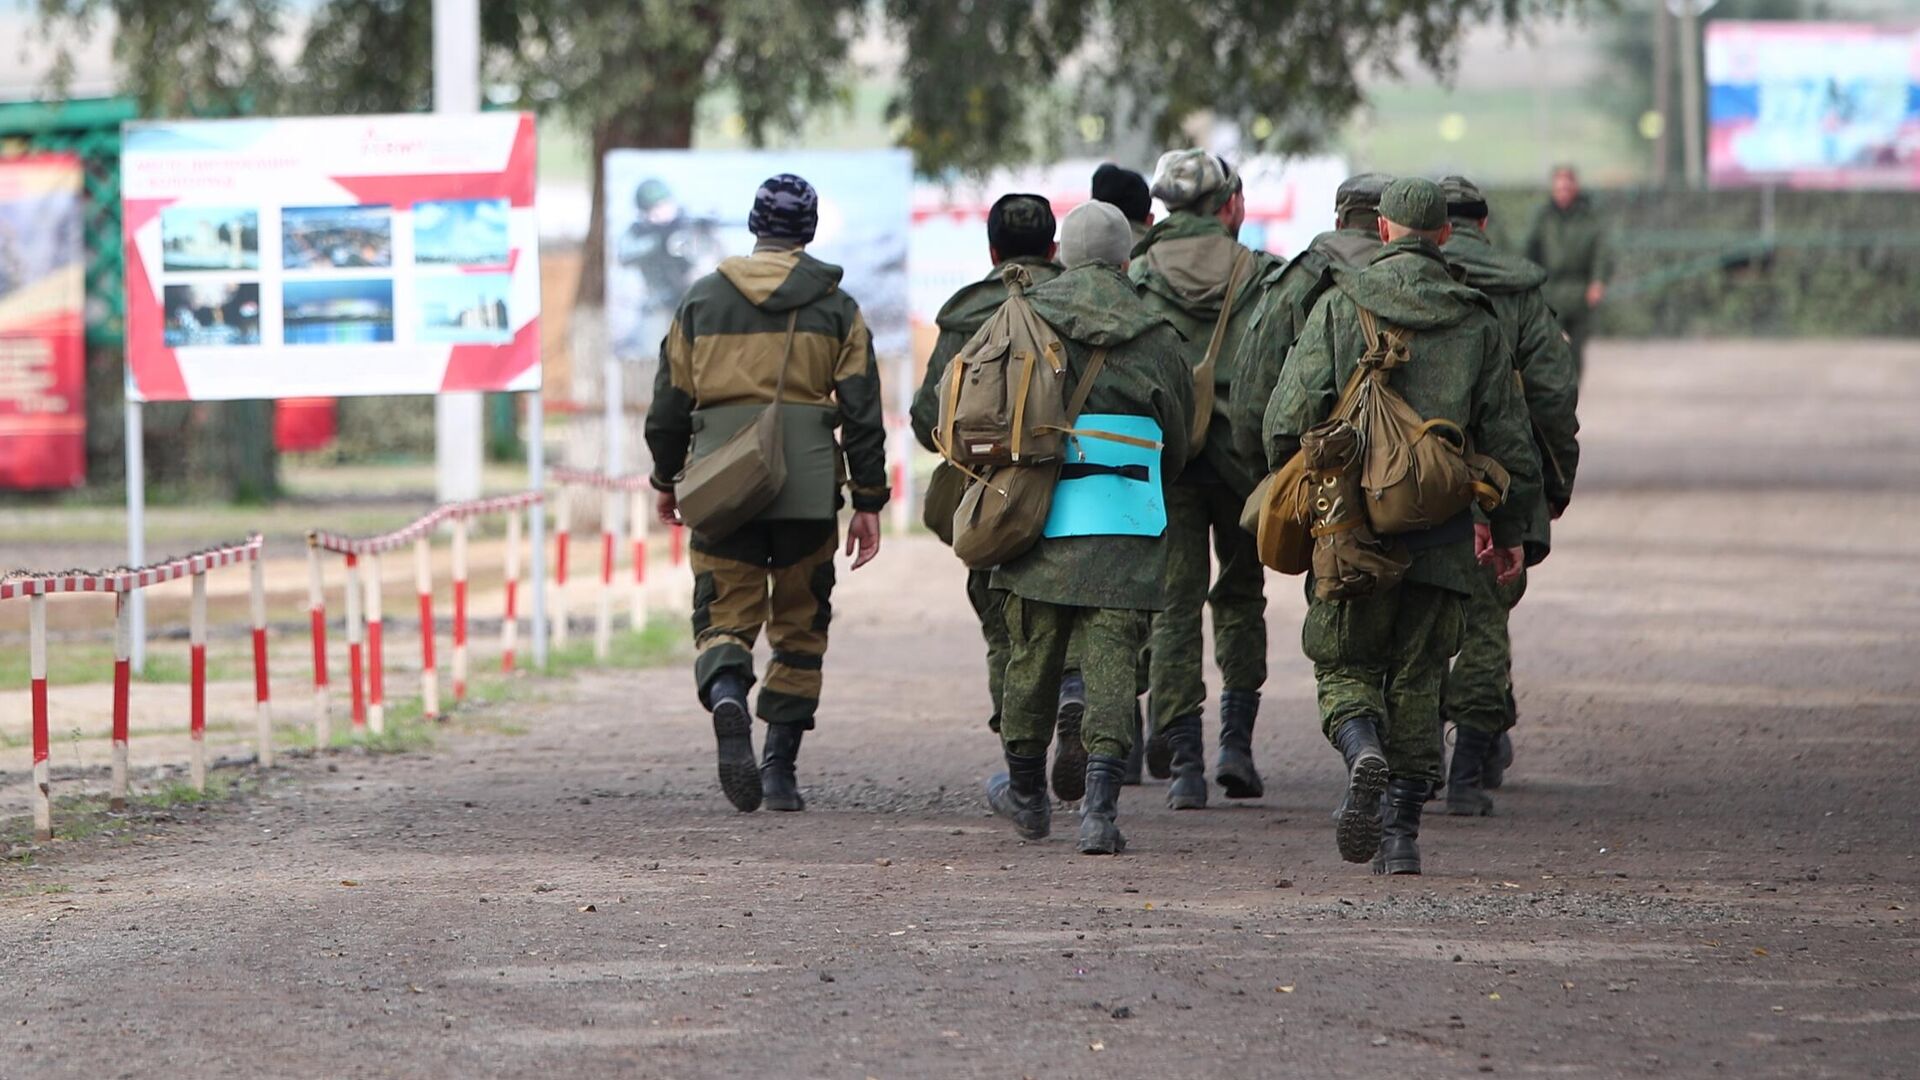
x=252, y=465
x=631, y=129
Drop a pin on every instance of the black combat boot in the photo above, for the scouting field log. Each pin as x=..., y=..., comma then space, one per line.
x=733, y=732
x=1188, y=791
x=1235, y=772
x=1136, y=758
x=1020, y=795
x=1494, y=772
x=1159, y=755
x=1466, y=773
x=1357, y=822
x=1069, y=755
x=1098, y=833
x=776, y=767
x=1400, y=826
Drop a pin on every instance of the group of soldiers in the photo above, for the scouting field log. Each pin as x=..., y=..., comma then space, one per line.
x=1081, y=628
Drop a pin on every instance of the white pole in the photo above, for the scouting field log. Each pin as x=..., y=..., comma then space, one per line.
x=262, y=709
x=603, y=614
x=510, y=619
x=376, y=650
x=537, y=526
x=460, y=606
x=317, y=615
x=637, y=528
x=563, y=524
x=456, y=90
x=429, y=672
x=197, y=646
x=42, y=739
x=122, y=641
x=136, y=522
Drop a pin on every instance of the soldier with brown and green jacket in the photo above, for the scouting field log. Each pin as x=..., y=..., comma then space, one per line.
x=1569, y=238
x=1479, y=693
x=720, y=365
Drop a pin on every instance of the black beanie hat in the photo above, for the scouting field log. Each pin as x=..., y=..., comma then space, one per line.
x=1020, y=224
x=785, y=208
x=1125, y=189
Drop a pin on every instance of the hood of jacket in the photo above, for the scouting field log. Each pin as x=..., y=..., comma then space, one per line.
x=1408, y=284
x=1095, y=305
x=1487, y=267
x=1348, y=247
x=780, y=280
x=969, y=309
x=1186, y=259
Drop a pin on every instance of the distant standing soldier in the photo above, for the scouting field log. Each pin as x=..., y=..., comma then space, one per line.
x=1019, y=233
x=1479, y=695
x=1127, y=190
x=1380, y=660
x=1569, y=238
x=1282, y=313
x=1086, y=587
x=1192, y=269
x=719, y=367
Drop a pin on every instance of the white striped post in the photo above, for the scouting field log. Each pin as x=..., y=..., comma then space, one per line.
x=122, y=679
x=42, y=740
x=317, y=615
x=197, y=687
x=376, y=654
x=510, y=622
x=460, y=609
x=562, y=530
x=355, y=657
x=603, y=617
x=637, y=515
x=262, y=708
x=429, y=672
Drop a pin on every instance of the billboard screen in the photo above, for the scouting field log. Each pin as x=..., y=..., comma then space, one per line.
x=43, y=423
x=330, y=257
x=1813, y=104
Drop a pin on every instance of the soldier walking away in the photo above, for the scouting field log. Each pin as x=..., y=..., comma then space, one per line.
x=1479, y=691
x=1380, y=660
x=1282, y=312
x=720, y=365
x=1192, y=269
x=1087, y=586
x=1020, y=230
x=1127, y=191
x=1569, y=238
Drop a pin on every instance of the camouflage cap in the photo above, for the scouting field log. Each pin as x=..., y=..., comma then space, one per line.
x=1360, y=192
x=1464, y=198
x=1020, y=224
x=1414, y=202
x=1194, y=180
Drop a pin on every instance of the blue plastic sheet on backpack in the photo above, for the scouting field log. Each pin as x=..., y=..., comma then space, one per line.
x=1109, y=488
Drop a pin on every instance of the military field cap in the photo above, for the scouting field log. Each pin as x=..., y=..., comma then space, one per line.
x=1020, y=224
x=1360, y=192
x=1194, y=180
x=1464, y=199
x=1415, y=203
x=1095, y=232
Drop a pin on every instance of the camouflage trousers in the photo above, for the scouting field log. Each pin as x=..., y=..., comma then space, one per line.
x=990, y=606
x=1105, y=641
x=1195, y=513
x=1386, y=656
x=1479, y=692
x=776, y=574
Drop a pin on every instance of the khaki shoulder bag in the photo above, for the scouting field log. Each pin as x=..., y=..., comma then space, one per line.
x=1203, y=375
x=726, y=489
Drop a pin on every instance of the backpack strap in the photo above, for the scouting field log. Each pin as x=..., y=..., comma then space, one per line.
x=1203, y=375
x=1081, y=391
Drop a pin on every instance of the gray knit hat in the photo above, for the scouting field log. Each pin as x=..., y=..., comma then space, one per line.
x=1194, y=180
x=1095, y=232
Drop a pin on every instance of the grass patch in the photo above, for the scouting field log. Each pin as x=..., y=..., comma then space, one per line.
x=659, y=643
x=83, y=817
x=81, y=663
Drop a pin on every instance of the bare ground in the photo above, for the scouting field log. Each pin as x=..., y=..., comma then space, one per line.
x=1704, y=863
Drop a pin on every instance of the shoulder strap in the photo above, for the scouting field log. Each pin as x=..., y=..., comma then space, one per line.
x=1203, y=375
x=1084, y=388
x=786, y=362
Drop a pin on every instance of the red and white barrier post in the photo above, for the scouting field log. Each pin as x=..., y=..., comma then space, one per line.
x=510, y=621
x=429, y=674
x=637, y=512
x=122, y=686
x=197, y=686
x=376, y=652
x=460, y=609
x=317, y=615
x=355, y=658
x=603, y=617
x=262, y=707
x=562, y=533
x=42, y=739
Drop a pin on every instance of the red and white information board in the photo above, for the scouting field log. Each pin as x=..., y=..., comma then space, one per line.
x=329, y=257
x=43, y=421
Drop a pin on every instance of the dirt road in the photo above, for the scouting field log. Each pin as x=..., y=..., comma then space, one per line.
x=1704, y=863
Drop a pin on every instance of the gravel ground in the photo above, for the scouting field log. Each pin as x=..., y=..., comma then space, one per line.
x=1703, y=863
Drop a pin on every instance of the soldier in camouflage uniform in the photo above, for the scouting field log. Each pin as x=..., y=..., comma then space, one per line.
x=1182, y=268
x=1086, y=590
x=1569, y=238
x=719, y=366
x=1380, y=661
x=1020, y=231
x=1479, y=692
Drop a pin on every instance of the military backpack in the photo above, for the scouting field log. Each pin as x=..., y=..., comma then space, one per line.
x=1003, y=400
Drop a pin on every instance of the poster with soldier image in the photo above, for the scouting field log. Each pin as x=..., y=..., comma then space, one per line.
x=672, y=215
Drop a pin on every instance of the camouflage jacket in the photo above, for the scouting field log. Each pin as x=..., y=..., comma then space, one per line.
x=1548, y=382
x=725, y=348
x=1461, y=370
x=1572, y=244
x=1095, y=307
x=962, y=317
x=1181, y=271
x=1276, y=325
